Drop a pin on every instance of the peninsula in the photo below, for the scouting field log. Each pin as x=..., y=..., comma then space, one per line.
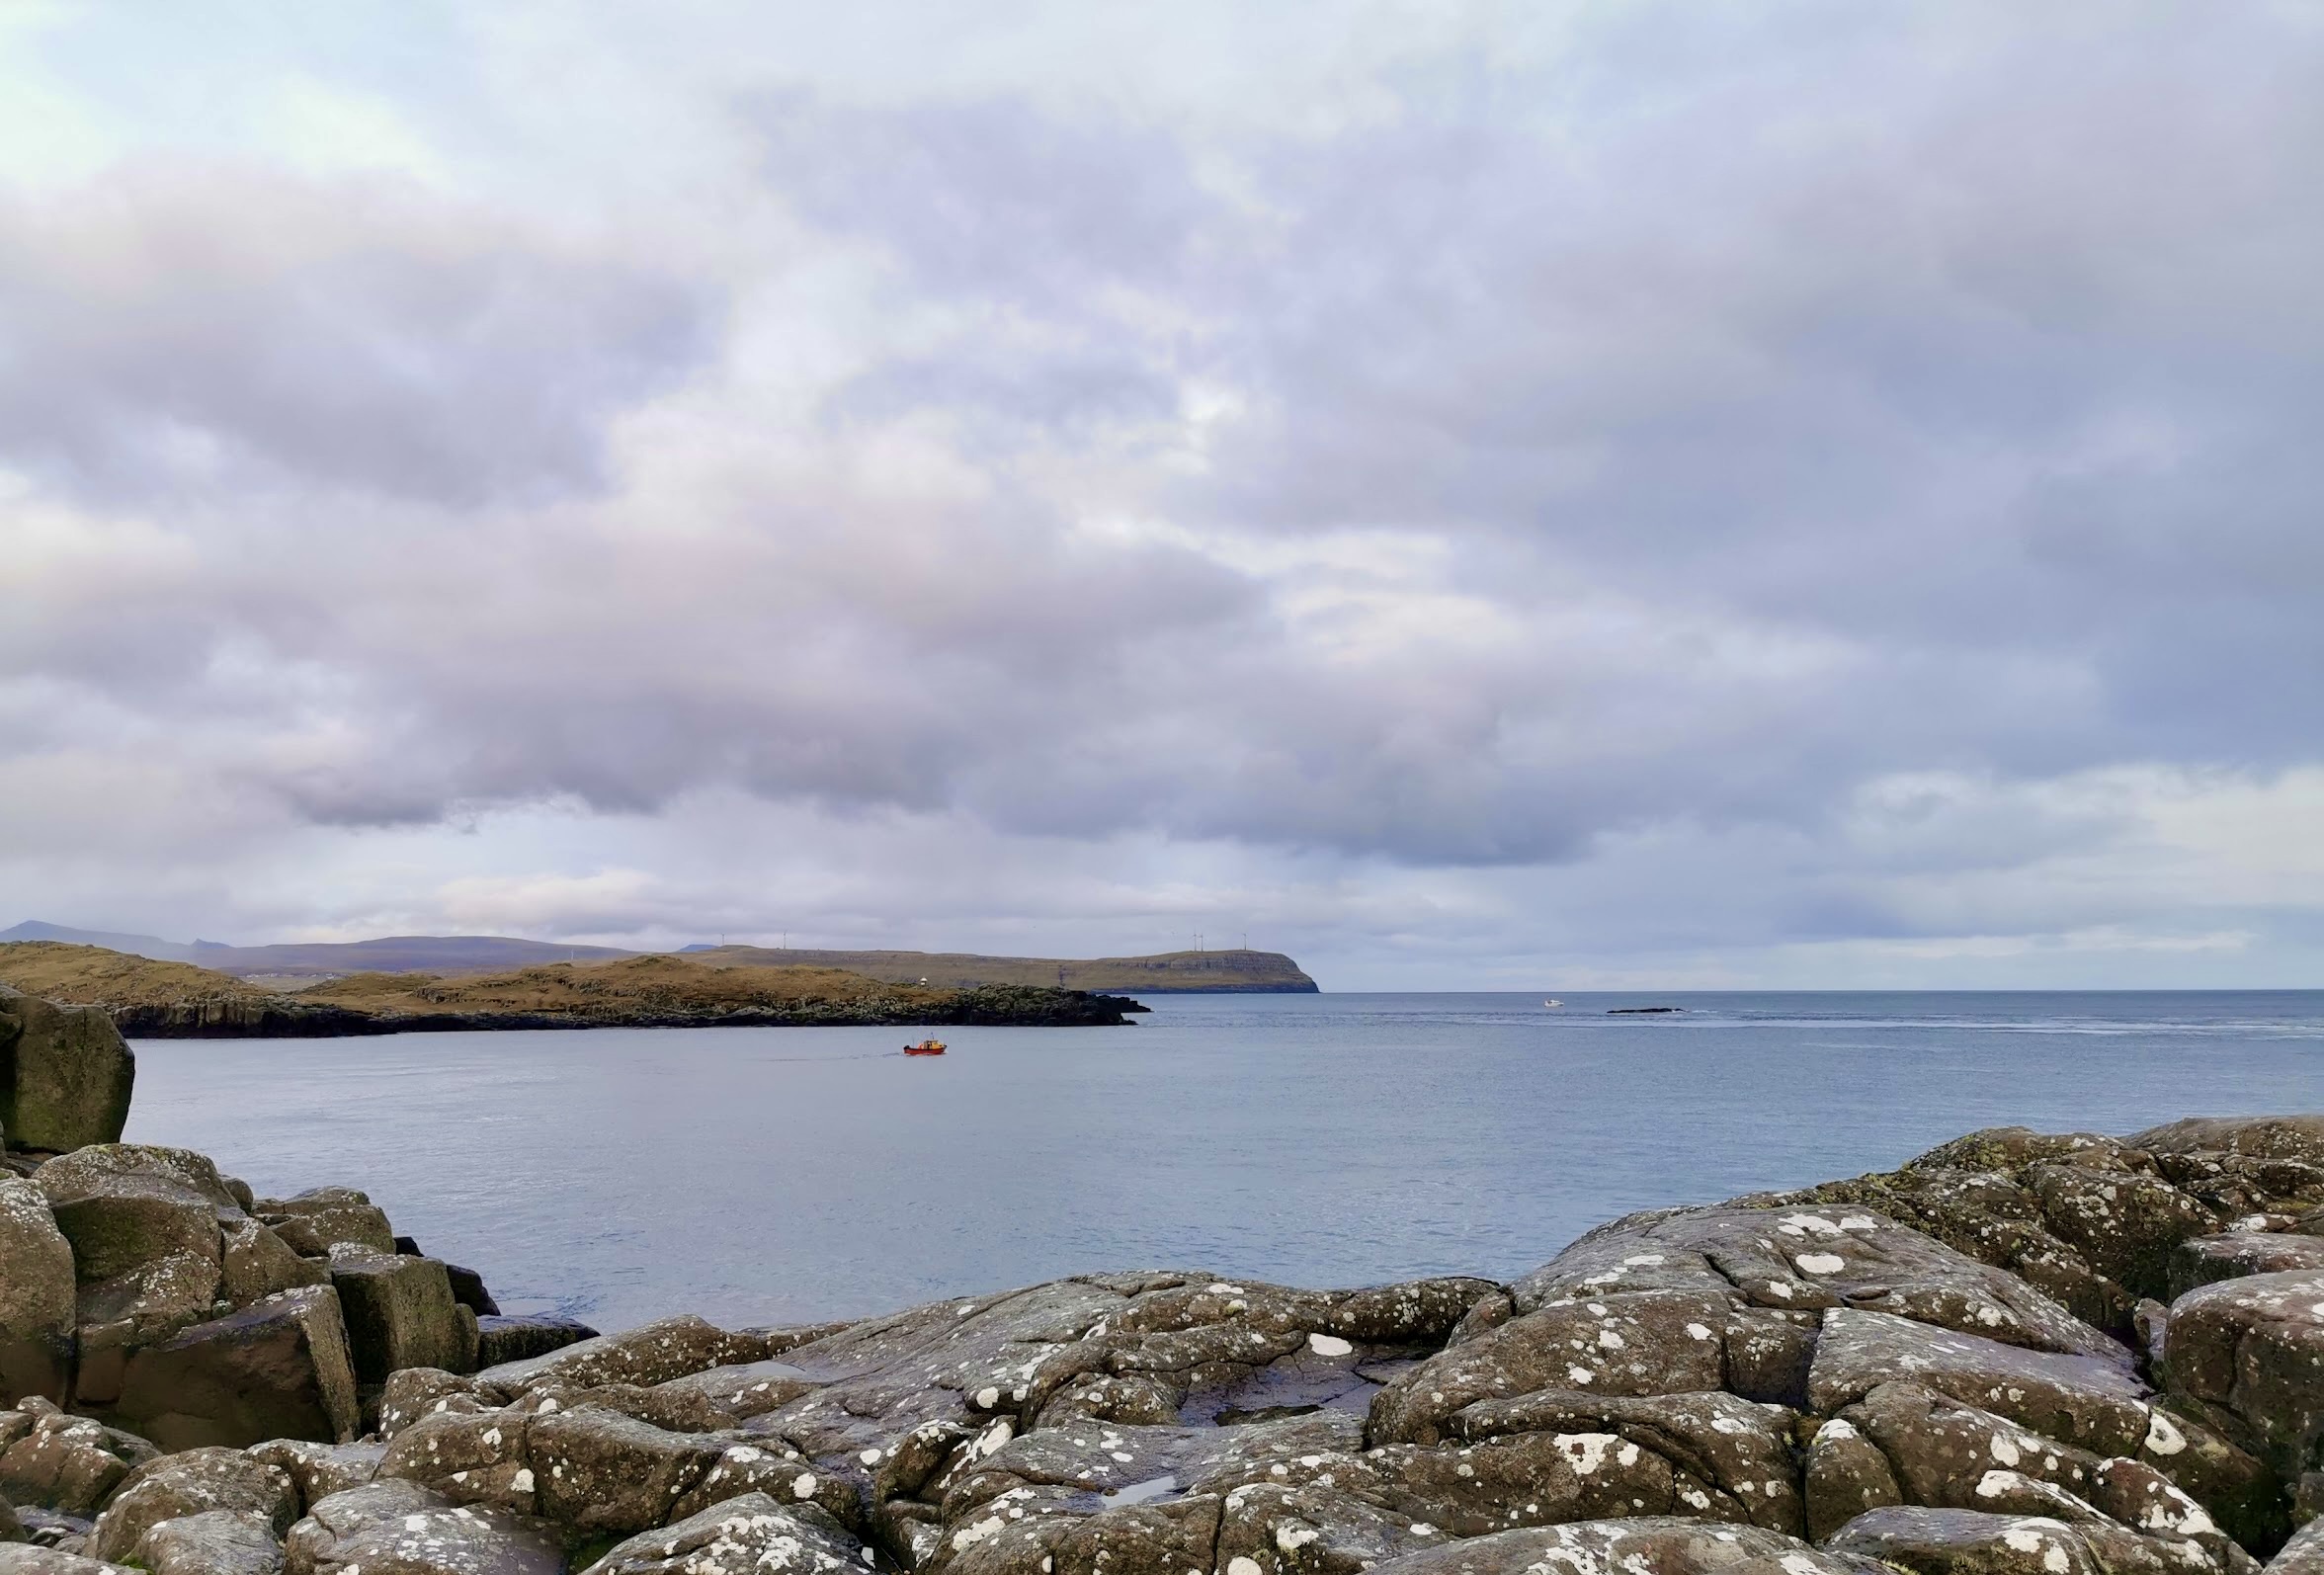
x=1241, y=969
x=151, y=999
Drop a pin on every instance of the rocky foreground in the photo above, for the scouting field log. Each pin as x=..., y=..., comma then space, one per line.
x=2017, y=1354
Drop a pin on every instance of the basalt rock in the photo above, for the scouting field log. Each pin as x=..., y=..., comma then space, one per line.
x=65, y=1075
x=1898, y=1372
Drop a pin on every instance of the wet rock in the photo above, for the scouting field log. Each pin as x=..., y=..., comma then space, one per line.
x=2238, y=1255
x=67, y=1463
x=2094, y=1402
x=752, y=1534
x=275, y=1370
x=190, y=1483
x=325, y=1217
x=214, y=1543
x=65, y=1075
x=36, y=1295
x=402, y=1529
x=399, y=1313
x=319, y=1470
x=502, y=1340
x=653, y=1353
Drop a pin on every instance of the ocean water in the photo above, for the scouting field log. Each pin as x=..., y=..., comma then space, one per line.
x=775, y=1175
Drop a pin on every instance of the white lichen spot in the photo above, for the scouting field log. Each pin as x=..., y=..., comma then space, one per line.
x=1290, y=1539
x=1329, y=1345
x=1696, y=1331
x=2002, y=1450
x=1242, y=1564
x=803, y=1487
x=1820, y=1263
x=2161, y=1437
x=987, y=1398
x=1580, y=1375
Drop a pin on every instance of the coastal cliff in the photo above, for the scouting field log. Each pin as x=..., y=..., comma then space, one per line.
x=148, y=999
x=2017, y=1354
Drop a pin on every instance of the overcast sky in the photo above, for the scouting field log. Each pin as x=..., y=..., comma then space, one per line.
x=1529, y=496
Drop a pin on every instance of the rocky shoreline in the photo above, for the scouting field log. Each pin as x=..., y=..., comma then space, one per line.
x=2017, y=1354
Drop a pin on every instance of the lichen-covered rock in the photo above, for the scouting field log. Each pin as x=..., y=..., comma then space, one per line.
x=67, y=1463
x=275, y=1370
x=2100, y=1403
x=401, y=1528
x=399, y=1313
x=189, y=1483
x=323, y=1218
x=36, y=1295
x=2251, y=1351
x=319, y=1470
x=2239, y=1254
x=502, y=1341
x=468, y=1456
x=751, y=1534
x=255, y=1263
x=1938, y=1541
x=126, y=1205
x=744, y=1390
x=65, y=1075
x=25, y=1559
x=212, y=1542
x=596, y=1470
x=653, y=1353
x=1659, y=1544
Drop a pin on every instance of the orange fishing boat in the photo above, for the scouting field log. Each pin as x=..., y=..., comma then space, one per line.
x=925, y=1047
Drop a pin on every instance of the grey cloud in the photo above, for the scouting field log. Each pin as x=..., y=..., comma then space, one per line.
x=1670, y=438
x=177, y=330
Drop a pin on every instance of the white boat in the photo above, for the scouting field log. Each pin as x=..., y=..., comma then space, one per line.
x=1553, y=1001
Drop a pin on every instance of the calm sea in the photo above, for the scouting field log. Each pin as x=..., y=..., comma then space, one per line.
x=773, y=1175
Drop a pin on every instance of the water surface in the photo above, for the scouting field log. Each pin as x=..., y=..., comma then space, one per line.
x=769, y=1175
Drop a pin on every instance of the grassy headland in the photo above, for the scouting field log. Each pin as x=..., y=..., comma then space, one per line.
x=176, y=1000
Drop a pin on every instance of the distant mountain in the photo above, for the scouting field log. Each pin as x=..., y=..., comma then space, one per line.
x=142, y=946
x=1250, y=972
x=395, y=953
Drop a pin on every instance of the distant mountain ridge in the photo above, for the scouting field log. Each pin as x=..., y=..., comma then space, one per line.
x=1241, y=972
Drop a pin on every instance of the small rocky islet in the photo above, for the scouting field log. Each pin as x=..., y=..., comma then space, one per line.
x=2017, y=1354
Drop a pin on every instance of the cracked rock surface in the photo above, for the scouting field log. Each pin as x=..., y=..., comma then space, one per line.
x=2017, y=1353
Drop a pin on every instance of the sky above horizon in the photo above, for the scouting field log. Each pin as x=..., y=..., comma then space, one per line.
x=1790, y=493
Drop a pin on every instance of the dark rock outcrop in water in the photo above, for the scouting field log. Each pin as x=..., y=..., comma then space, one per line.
x=1962, y=1366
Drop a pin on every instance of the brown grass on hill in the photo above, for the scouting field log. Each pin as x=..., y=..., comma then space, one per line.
x=652, y=982
x=93, y=976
